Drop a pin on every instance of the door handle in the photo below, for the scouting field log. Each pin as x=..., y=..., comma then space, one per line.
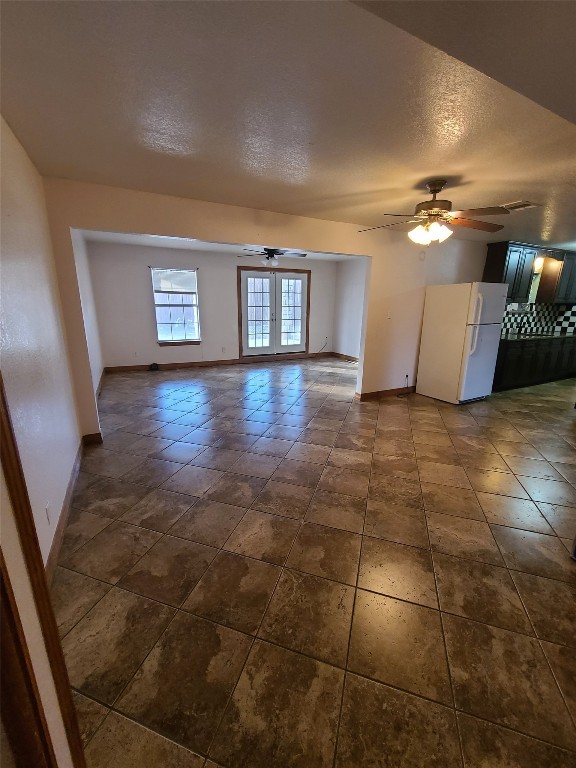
x=474, y=340
x=479, y=306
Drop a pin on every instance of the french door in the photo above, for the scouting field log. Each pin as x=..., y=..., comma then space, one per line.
x=273, y=311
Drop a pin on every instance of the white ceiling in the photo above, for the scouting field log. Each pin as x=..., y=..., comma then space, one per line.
x=202, y=246
x=311, y=108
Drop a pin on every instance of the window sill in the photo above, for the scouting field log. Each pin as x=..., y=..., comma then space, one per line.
x=176, y=343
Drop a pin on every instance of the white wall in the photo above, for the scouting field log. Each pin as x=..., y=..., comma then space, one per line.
x=395, y=303
x=351, y=278
x=35, y=364
x=123, y=298
x=24, y=597
x=88, y=309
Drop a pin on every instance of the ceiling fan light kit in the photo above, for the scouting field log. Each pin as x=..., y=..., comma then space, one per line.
x=433, y=215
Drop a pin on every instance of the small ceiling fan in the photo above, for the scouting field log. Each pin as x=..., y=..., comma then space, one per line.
x=270, y=254
x=432, y=216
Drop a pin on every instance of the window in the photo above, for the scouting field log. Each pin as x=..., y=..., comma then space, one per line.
x=176, y=305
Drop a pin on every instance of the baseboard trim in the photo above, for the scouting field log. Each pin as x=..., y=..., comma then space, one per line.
x=93, y=439
x=384, y=393
x=232, y=361
x=52, y=560
x=348, y=358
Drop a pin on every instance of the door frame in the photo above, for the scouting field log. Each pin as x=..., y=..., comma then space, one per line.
x=277, y=355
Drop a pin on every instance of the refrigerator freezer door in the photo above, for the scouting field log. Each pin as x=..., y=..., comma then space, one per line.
x=479, y=361
x=487, y=303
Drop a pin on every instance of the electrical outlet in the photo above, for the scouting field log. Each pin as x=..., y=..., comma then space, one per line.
x=223, y=350
x=48, y=512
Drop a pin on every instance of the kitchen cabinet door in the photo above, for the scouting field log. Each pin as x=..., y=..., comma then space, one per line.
x=524, y=273
x=514, y=260
x=566, y=293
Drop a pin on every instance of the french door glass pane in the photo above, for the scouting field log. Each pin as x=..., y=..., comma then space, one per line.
x=258, y=312
x=291, y=329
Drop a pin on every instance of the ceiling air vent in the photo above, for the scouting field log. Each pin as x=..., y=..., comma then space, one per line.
x=519, y=205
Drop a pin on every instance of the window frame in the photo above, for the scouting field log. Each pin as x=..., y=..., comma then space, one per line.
x=196, y=306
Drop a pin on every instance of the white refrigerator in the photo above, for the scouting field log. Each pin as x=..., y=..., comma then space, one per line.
x=460, y=338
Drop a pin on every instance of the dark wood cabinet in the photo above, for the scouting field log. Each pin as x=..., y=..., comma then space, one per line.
x=511, y=263
x=524, y=362
x=566, y=290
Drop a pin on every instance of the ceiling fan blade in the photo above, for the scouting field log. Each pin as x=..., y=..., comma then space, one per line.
x=402, y=215
x=395, y=224
x=496, y=210
x=293, y=253
x=485, y=226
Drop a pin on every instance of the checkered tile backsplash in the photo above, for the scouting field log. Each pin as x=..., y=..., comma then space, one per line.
x=540, y=318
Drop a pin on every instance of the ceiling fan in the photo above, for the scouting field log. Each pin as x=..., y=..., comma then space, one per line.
x=432, y=216
x=270, y=254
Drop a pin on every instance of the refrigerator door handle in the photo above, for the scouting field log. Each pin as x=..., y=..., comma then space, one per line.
x=479, y=308
x=474, y=341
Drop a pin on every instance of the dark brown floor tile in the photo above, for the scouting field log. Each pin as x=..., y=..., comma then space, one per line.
x=485, y=745
x=122, y=743
x=179, y=452
x=194, y=481
x=417, y=732
x=73, y=595
x=152, y=472
x=459, y=536
x=443, y=474
x=504, y=676
x=318, y=437
x=169, y=570
x=108, y=497
x=483, y=460
x=513, y=512
x=563, y=663
x=284, y=499
x=238, y=490
x=337, y=510
x=562, y=519
x=481, y=592
x=397, y=570
x=298, y=472
x=550, y=491
x=316, y=454
x=81, y=527
x=283, y=432
x=272, y=446
x=109, y=463
x=182, y=688
x=354, y=442
x=216, y=458
x=448, y=500
x=514, y=448
x=111, y=554
x=108, y=645
x=566, y=471
x=398, y=466
x=172, y=431
x=346, y=481
x=327, y=552
x=159, y=510
x=90, y=715
x=396, y=522
x=395, y=490
x=561, y=451
x=148, y=445
x=550, y=605
x=401, y=644
x=234, y=591
x=472, y=443
x=428, y=437
x=486, y=481
x=443, y=454
x=533, y=468
x=535, y=553
x=208, y=522
x=358, y=460
x=310, y=615
x=235, y=442
x=201, y=436
x=263, y=536
x=284, y=712
x=394, y=447
x=256, y=465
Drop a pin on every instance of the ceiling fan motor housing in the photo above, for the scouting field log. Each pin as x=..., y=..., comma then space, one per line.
x=437, y=207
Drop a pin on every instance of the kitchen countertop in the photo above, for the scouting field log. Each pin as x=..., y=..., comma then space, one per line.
x=525, y=336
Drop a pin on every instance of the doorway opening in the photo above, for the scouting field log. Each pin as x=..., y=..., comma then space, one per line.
x=273, y=311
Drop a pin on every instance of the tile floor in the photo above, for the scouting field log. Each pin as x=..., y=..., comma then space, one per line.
x=261, y=572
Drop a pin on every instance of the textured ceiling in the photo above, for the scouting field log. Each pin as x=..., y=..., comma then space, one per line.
x=311, y=108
